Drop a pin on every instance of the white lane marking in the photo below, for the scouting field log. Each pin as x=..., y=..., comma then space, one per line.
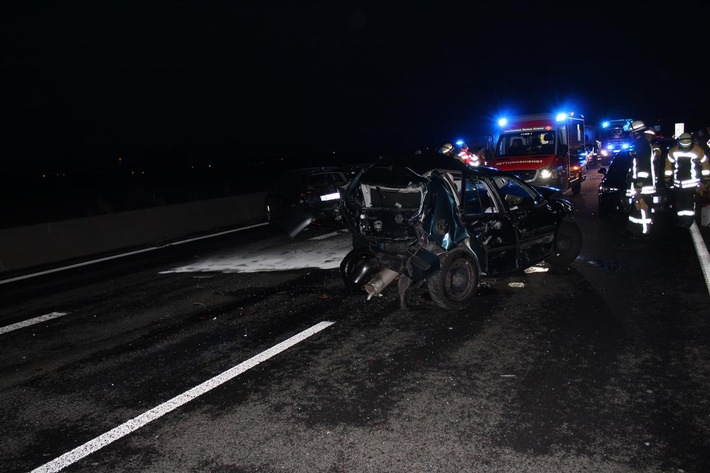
x=702, y=251
x=122, y=255
x=27, y=323
x=126, y=428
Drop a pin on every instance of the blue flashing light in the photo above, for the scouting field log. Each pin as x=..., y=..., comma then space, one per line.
x=459, y=142
x=605, y=124
x=502, y=122
x=561, y=116
x=625, y=146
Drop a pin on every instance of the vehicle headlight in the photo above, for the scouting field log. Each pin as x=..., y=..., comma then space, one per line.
x=605, y=153
x=546, y=173
x=608, y=190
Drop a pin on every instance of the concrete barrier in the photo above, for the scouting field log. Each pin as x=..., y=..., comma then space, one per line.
x=39, y=245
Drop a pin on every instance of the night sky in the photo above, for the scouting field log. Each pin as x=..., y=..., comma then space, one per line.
x=246, y=78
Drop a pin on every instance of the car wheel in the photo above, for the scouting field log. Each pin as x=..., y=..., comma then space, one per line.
x=357, y=268
x=568, y=244
x=456, y=283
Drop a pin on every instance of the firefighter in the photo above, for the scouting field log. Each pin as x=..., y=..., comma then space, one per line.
x=464, y=155
x=478, y=158
x=642, y=184
x=687, y=171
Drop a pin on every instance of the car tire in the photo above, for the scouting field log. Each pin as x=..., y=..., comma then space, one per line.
x=568, y=244
x=357, y=268
x=456, y=283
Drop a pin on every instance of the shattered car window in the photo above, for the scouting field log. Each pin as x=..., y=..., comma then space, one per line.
x=514, y=193
x=478, y=198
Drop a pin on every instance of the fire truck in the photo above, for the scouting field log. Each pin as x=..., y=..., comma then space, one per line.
x=614, y=136
x=543, y=149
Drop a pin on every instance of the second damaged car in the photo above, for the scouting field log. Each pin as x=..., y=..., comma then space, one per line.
x=430, y=220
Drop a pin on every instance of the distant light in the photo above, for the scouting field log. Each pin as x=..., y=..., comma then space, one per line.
x=605, y=124
x=502, y=122
x=459, y=142
x=561, y=116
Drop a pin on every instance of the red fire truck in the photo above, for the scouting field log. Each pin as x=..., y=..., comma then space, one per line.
x=543, y=149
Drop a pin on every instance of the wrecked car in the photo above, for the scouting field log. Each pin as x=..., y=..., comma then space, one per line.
x=430, y=220
x=305, y=196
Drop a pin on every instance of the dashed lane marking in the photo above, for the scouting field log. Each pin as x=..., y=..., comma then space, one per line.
x=27, y=323
x=126, y=428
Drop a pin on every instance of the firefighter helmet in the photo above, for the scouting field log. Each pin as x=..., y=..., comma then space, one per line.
x=637, y=126
x=649, y=131
x=685, y=140
x=447, y=148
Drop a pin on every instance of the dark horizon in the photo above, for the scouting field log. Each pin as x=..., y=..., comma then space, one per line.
x=270, y=78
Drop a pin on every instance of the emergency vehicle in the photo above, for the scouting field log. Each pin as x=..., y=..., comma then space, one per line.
x=614, y=136
x=543, y=149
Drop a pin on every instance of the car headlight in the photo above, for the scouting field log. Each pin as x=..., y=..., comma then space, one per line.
x=546, y=173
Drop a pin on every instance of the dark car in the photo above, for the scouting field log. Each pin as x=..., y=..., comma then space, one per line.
x=617, y=180
x=613, y=186
x=306, y=196
x=431, y=219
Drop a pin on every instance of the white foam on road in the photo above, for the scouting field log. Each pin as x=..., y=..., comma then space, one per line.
x=323, y=251
x=126, y=428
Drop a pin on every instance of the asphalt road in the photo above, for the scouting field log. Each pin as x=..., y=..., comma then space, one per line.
x=245, y=354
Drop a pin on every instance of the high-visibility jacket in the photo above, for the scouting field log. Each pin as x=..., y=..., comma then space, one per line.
x=643, y=169
x=687, y=167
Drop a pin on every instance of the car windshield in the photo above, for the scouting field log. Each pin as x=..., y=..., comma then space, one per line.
x=616, y=133
x=526, y=143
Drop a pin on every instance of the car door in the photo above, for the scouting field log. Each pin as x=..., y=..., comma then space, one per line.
x=532, y=218
x=487, y=221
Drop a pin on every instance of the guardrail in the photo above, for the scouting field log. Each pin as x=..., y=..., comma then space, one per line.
x=31, y=246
